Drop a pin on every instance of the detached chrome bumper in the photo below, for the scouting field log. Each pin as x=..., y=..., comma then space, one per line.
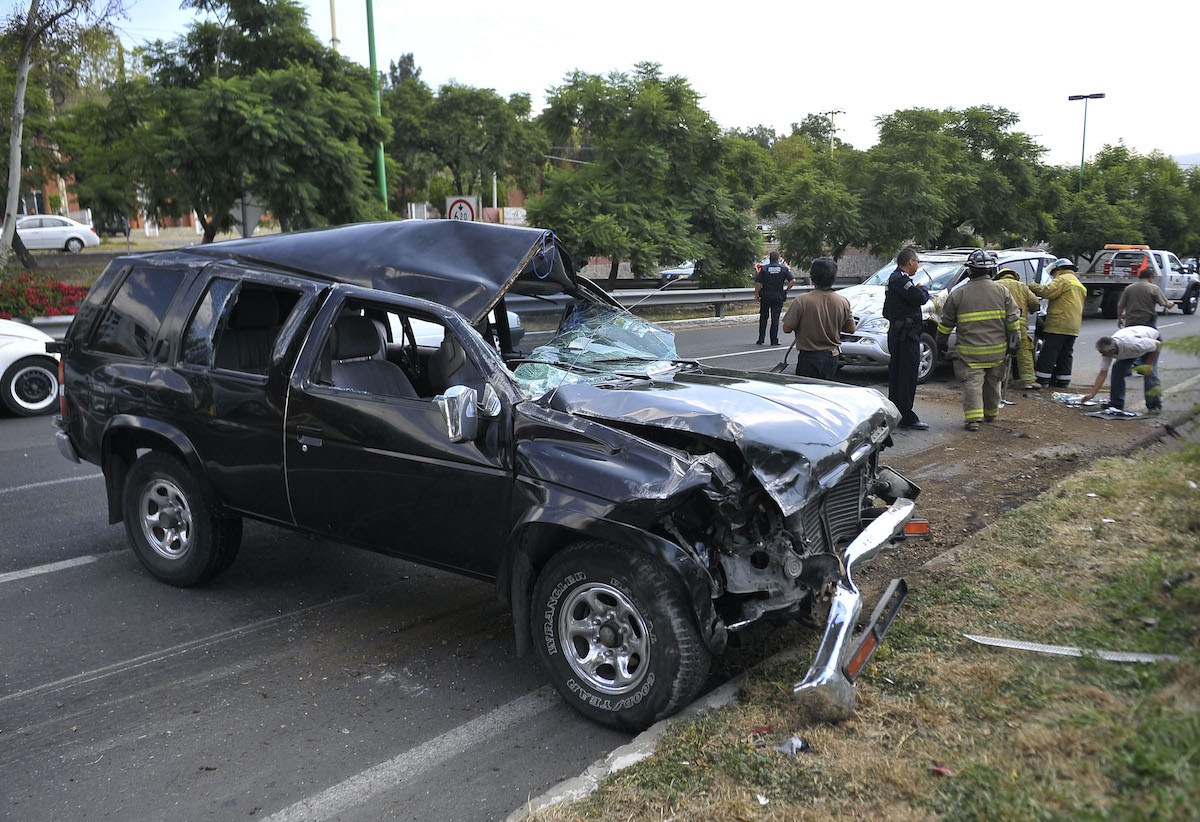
x=826, y=692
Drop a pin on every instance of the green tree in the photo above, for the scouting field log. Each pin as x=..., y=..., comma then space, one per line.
x=250, y=102
x=651, y=176
x=408, y=105
x=26, y=36
x=475, y=132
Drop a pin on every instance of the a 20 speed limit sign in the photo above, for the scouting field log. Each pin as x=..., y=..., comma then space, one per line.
x=462, y=208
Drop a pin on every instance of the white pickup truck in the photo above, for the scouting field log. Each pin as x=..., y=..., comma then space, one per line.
x=1118, y=265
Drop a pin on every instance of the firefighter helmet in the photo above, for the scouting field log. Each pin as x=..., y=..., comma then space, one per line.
x=1063, y=262
x=980, y=263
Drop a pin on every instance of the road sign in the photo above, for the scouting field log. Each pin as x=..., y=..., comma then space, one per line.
x=246, y=213
x=462, y=207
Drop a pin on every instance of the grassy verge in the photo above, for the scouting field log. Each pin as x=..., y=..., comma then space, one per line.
x=946, y=729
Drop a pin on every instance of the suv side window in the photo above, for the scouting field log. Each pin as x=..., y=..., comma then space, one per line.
x=132, y=319
x=236, y=325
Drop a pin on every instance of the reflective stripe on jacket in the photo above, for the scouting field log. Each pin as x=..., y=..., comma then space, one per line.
x=986, y=317
x=1066, y=295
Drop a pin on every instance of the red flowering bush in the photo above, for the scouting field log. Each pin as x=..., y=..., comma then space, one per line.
x=29, y=295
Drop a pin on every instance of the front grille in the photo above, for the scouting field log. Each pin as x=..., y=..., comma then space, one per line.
x=843, y=508
x=838, y=519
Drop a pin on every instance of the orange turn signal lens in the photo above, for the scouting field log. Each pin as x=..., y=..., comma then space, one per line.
x=860, y=658
x=916, y=528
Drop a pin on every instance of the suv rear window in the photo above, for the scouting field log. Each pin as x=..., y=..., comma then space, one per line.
x=132, y=319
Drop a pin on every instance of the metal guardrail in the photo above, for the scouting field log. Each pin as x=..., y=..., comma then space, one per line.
x=716, y=297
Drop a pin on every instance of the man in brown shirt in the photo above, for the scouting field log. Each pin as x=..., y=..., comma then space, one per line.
x=819, y=319
x=1140, y=301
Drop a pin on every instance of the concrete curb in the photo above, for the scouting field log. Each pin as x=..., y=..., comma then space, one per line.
x=642, y=745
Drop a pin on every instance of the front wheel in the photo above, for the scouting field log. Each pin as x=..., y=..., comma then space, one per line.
x=1188, y=306
x=927, y=357
x=30, y=386
x=614, y=634
x=173, y=526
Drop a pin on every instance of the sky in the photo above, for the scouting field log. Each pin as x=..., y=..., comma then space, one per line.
x=773, y=64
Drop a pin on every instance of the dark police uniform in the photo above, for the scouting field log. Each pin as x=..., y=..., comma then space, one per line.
x=902, y=308
x=773, y=277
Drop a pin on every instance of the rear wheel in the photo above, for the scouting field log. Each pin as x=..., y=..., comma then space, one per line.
x=173, y=526
x=74, y=245
x=1108, y=306
x=1188, y=306
x=30, y=386
x=613, y=632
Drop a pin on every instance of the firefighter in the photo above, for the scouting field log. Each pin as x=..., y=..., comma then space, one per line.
x=1064, y=316
x=1026, y=300
x=988, y=322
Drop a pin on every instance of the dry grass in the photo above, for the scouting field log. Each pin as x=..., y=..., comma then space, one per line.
x=946, y=729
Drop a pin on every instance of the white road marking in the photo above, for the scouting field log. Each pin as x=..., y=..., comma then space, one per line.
x=175, y=650
x=361, y=787
x=762, y=350
x=1171, y=325
x=48, y=482
x=49, y=568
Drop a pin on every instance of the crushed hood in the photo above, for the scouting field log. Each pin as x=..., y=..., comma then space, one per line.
x=796, y=436
x=462, y=265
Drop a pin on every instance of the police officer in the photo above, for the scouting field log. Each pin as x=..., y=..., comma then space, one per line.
x=771, y=284
x=902, y=308
x=988, y=323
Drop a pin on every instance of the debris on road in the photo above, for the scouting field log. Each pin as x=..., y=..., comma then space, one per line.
x=1070, y=650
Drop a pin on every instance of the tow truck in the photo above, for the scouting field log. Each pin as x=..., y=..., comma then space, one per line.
x=1119, y=265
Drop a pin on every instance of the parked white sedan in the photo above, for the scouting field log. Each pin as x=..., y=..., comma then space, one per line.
x=28, y=375
x=50, y=231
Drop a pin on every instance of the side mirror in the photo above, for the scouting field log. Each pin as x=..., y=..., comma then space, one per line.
x=458, y=407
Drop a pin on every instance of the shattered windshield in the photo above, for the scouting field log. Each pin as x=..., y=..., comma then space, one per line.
x=596, y=343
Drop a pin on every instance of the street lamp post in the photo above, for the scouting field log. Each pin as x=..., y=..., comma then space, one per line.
x=1083, y=150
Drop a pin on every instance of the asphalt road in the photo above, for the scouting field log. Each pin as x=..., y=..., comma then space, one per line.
x=311, y=681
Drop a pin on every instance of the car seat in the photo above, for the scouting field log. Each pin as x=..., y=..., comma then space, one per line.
x=247, y=340
x=359, y=363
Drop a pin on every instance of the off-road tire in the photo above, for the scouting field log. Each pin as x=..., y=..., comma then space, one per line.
x=1109, y=303
x=622, y=602
x=205, y=543
x=927, y=357
x=30, y=386
x=1188, y=305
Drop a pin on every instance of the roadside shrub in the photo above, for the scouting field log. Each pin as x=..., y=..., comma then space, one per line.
x=28, y=295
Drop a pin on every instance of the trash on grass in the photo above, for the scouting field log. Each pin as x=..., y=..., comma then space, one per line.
x=762, y=800
x=793, y=746
x=941, y=770
x=1171, y=582
x=1070, y=650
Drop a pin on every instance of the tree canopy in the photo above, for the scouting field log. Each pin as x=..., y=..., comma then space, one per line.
x=647, y=176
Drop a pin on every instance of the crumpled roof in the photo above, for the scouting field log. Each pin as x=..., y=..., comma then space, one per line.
x=462, y=265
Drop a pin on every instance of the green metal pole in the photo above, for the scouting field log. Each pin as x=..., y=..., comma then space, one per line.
x=380, y=174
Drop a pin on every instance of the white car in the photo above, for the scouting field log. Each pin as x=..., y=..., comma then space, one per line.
x=28, y=375
x=429, y=335
x=50, y=231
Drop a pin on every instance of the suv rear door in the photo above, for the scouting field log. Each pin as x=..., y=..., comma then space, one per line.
x=227, y=387
x=379, y=468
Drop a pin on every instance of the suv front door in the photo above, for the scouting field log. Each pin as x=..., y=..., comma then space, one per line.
x=380, y=469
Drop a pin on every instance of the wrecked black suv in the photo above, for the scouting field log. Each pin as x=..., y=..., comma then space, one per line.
x=634, y=509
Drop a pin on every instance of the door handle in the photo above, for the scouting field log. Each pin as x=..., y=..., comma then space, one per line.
x=309, y=435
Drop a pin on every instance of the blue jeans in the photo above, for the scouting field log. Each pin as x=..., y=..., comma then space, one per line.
x=1151, y=386
x=820, y=364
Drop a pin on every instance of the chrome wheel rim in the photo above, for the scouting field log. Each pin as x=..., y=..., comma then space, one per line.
x=926, y=363
x=604, y=638
x=166, y=519
x=34, y=387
